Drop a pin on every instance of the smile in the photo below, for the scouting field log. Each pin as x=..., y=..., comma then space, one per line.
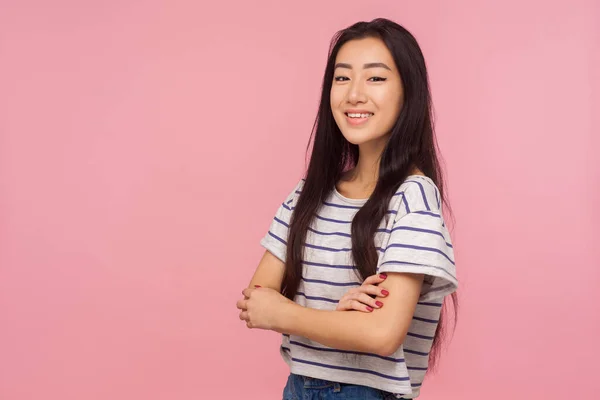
x=357, y=118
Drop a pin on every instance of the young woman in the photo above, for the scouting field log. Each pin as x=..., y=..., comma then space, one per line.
x=358, y=258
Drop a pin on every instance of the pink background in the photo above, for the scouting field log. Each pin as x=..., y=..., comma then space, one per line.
x=145, y=146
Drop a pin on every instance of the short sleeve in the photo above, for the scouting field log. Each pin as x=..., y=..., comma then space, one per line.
x=275, y=240
x=420, y=243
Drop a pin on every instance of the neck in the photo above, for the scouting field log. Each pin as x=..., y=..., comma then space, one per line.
x=366, y=172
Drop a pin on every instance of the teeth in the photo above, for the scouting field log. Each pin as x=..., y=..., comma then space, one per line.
x=355, y=115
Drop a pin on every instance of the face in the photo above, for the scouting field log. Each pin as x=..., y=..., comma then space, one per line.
x=366, y=94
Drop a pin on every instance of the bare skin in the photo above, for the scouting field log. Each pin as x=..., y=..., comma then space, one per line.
x=360, y=299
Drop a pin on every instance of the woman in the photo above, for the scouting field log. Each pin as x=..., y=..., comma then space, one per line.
x=358, y=259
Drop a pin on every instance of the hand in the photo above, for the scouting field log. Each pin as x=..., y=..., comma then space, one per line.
x=262, y=308
x=358, y=298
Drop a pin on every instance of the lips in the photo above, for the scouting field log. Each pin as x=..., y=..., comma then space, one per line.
x=357, y=111
x=357, y=117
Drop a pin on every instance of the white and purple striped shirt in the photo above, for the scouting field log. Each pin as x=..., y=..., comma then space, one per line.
x=413, y=238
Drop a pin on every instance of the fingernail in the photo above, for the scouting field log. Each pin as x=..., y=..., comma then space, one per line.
x=384, y=292
x=257, y=286
x=383, y=276
x=369, y=308
x=379, y=304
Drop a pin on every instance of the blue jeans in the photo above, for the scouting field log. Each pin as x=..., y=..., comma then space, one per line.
x=299, y=387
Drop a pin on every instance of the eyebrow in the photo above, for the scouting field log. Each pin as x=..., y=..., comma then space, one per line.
x=368, y=65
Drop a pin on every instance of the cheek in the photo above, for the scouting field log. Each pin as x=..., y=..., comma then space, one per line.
x=390, y=106
x=335, y=98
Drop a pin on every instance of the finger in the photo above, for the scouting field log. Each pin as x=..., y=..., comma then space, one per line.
x=368, y=300
x=353, y=304
x=375, y=279
x=373, y=290
x=244, y=315
x=246, y=292
x=344, y=304
x=242, y=304
x=359, y=306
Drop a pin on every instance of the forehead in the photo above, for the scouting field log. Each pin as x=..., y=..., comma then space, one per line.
x=362, y=51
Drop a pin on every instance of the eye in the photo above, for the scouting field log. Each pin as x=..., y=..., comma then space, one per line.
x=340, y=78
x=377, y=79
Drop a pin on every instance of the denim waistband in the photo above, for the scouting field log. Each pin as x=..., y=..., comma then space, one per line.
x=316, y=383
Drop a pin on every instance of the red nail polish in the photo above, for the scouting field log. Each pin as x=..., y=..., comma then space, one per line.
x=383, y=276
x=257, y=286
x=379, y=304
x=384, y=292
x=369, y=308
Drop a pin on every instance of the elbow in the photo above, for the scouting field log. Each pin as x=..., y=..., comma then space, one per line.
x=254, y=285
x=388, y=342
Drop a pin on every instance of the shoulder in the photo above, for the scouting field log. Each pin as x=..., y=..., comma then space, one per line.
x=418, y=193
x=298, y=188
x=292, y=197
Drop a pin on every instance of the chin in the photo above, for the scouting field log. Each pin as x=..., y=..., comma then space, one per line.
x=358, y=138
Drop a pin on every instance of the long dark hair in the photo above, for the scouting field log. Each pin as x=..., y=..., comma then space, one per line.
x=411, y=144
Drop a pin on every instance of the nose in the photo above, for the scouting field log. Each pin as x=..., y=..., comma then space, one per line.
x=356, y=93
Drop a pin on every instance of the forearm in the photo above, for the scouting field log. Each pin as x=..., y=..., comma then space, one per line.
x=269, y=273
x=265, y=284
x=343, y=330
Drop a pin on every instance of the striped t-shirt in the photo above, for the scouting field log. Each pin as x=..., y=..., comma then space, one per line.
x=413, y=238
